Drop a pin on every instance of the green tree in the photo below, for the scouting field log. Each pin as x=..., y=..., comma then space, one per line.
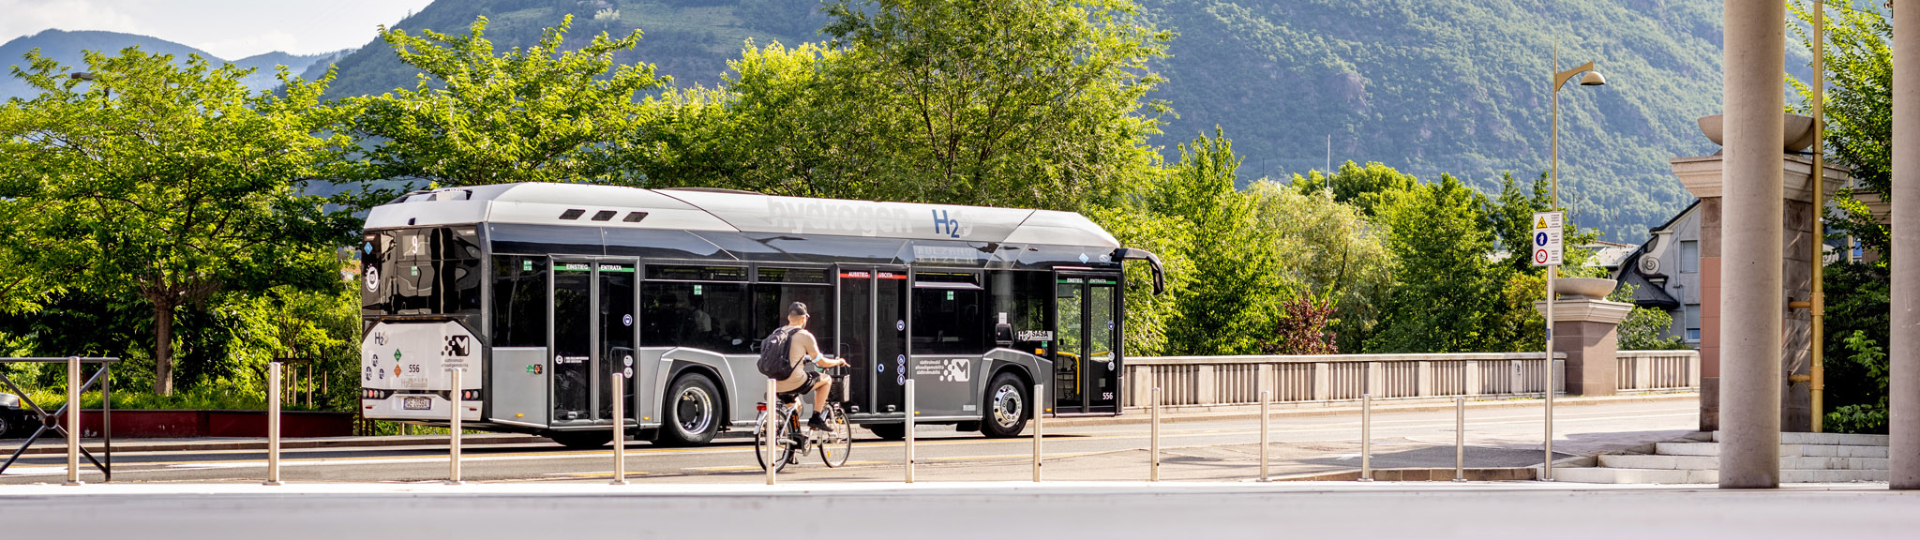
x=1238, y=280
x=1362, y=186
x=1331, y=250
x=170, y=182
x=543, y=114
x=1449, y=289
x=1029, y=103
x=1643, y=327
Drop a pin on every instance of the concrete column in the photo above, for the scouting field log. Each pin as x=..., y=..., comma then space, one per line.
x=1751, y=303
x=1904, y=357
x=1423, y=375
x=1204, y=385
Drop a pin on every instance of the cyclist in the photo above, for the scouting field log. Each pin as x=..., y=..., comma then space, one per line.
x=803, y=348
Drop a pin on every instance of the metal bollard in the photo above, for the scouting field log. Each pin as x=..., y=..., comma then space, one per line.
x=1264, y=398
x=1366, y=438
x=619, y=430
x=1460, y=439
x=73, y=422
x=911, y=412
x=273, y=424
x=769, y=453
x=1038, y=412
x=1153, y=470
x=1546, y=466
x=453, y=432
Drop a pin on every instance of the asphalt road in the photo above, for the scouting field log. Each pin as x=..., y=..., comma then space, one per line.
x=1199, y=450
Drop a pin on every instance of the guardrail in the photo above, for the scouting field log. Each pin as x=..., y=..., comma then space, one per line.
x=1236, y=380
x=1643, y=372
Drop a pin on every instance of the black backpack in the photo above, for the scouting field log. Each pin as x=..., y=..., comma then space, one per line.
x=773, y=353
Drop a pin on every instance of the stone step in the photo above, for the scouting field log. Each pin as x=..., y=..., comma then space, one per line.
x=1786, y=450
x=1849, y=439
x=1711, y=462
x=1603, y=475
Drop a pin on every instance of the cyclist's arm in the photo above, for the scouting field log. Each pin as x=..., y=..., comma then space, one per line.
x=810, y=348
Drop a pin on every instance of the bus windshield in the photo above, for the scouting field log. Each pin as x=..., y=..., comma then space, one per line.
x=423, y=271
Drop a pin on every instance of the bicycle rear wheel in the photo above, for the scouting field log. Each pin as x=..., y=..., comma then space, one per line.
x=772, y=445
x=837, y=446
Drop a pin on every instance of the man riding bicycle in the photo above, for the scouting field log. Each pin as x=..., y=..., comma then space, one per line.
x=803, y=348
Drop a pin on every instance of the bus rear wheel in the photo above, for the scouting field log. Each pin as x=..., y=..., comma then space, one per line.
x=1007, y=407
x=692, y=412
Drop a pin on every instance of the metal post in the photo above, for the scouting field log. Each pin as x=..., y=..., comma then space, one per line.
x=453, y=434
x=1153, y=469
x=1546, y=471
x=911, y=412
x=1460, y=439
x=619, y=430
x=273, y=424
x=1038, y=412
x=772, y=421
x=1264, y=433
x=1366, y=437
x=73, y=422
x=1817, y=299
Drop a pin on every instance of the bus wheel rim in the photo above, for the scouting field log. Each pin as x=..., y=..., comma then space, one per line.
x=694, y=410
x=1007, y=406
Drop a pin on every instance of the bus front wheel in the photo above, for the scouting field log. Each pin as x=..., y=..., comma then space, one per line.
x=1007, y=407
x=692, y=412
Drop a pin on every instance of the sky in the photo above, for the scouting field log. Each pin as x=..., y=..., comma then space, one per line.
x=230, y=29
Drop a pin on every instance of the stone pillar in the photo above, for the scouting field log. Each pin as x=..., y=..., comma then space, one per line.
x=1584, y=329
x=1750, y=259
x=1904, y=354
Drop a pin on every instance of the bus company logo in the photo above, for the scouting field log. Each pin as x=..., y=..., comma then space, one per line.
x=380, y=338
x=456, y=346
x=798, y=216
x=955, y=370
x=943, y=223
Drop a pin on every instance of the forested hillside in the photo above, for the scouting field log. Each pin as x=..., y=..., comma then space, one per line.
x=66, y=47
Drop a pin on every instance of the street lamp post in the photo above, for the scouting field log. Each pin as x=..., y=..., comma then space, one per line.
x=1560, y=78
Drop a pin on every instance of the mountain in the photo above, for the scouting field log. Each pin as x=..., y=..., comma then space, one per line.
x=66, y=47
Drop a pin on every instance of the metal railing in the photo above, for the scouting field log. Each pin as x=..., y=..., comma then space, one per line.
x=72, y=430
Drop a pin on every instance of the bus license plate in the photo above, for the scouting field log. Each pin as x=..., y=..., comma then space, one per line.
x=417, y=404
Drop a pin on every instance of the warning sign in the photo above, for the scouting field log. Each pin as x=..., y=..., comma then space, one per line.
x=1547, y=247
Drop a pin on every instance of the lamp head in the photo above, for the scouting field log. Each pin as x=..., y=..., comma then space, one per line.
x=1592, y=78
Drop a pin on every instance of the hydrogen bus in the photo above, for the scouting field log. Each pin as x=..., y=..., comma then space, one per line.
x=542, y=293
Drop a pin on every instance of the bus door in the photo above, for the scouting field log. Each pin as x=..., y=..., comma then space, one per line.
x=592, y=337
x=873, y=335
x=1086, y=353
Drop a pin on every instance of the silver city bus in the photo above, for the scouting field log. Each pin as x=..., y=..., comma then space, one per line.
x=544, y=292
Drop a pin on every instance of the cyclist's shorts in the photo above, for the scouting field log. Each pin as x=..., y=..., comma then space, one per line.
x=813, y=377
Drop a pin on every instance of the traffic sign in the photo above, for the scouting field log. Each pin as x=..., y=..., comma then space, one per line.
x=1548, y=248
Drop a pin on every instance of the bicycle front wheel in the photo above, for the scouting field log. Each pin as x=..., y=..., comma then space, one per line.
x=770, y=443
x=839, y=444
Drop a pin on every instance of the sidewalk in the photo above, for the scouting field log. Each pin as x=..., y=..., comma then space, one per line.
x=1131, y=416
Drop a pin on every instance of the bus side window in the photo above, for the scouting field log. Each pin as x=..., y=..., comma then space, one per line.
x=519, y=301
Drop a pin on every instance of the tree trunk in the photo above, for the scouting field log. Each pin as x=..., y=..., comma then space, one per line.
x=163, y=348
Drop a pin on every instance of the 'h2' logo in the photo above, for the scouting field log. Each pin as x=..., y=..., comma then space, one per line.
x=943, y=224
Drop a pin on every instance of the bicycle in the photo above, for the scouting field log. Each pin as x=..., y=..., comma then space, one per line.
x=790, y=441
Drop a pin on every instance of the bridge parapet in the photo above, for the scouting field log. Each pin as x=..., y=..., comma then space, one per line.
x=1329, y=379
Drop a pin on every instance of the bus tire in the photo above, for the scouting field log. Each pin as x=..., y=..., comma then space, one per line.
x=582, y=440
x=1007, y=409
x=691, y=412
x=891, y=432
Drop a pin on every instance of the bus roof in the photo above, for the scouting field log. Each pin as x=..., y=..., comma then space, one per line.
x=590, y=205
